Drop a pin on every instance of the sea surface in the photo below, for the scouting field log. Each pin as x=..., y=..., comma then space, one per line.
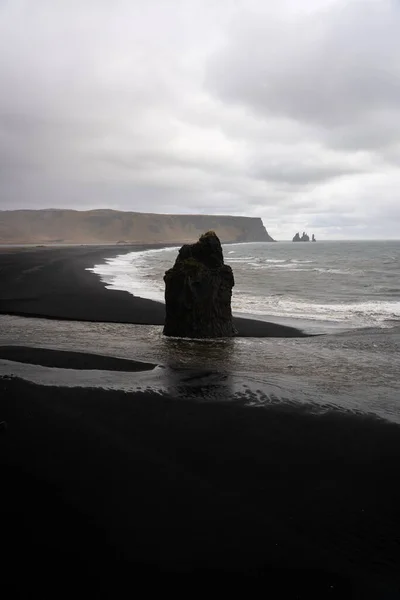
x=314, y=286
x=348, y=291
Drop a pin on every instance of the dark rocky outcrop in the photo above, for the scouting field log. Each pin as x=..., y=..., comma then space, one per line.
x=303, y=238
x=198, y=292
x=313, y=238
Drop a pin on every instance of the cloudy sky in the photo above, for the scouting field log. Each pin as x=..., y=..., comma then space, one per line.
x=286, y=110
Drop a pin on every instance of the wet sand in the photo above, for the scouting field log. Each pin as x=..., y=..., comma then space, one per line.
x=139, y=484
x=61, y=359
x=54, y=283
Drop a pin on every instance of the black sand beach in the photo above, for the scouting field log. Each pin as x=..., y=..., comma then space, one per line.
x=142, y=484
x=54, y=283
x=103, y=484
x=71, y=360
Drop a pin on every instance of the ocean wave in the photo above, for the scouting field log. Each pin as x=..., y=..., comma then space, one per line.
x=332, y=288
x=287, y=265
x=360, y=313
x=275, y=260
x=295, y=260
x=241, y=259
x=336, y=271
x=128, y=273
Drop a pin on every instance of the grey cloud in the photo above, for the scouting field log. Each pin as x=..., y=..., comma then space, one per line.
x=341, y=221
x=337, y=69
x=287, y=114
x=299, y=174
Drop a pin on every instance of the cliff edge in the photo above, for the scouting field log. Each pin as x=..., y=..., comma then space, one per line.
x=110, y=227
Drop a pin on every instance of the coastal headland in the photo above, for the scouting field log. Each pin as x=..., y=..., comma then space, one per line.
x=63, y=226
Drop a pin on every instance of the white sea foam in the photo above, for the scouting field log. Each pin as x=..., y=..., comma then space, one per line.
x=337, y=271
x=304, y=262
x=275, y=260
x=132, y=273
x=275, y=281
x=356, y=313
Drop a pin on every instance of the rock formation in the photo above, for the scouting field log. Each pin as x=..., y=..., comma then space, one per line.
x=313, y=238
x=303, y=238
x=198, y=292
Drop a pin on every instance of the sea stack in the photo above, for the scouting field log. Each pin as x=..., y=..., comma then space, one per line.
x=304, y=238
x=198, y=291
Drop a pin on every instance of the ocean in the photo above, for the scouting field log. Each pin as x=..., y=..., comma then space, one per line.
x=348, y=291
x=313, y=286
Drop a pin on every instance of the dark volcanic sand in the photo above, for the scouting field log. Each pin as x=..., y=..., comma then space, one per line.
x=53, y=283
x=101, y=482
x=71, y=360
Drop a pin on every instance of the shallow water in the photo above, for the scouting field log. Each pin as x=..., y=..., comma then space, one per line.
x=356, y=370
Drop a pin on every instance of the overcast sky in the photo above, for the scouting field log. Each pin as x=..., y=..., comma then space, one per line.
x=286, y=110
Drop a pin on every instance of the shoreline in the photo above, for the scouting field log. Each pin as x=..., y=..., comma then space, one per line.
x=54, y=283
x=185, y=477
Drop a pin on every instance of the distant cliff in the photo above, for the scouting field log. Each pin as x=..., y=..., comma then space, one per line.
x=110, y=227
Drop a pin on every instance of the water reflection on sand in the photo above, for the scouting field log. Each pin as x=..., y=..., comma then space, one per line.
x=355, y=371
